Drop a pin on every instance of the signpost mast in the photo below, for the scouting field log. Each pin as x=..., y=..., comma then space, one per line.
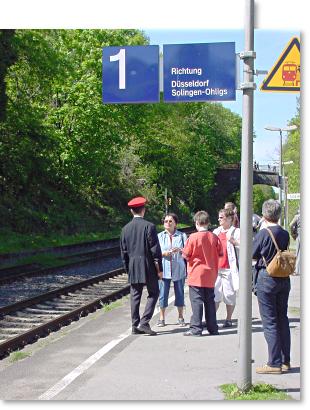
x=246, y=205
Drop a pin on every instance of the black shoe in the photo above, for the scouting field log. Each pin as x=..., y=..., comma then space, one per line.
x=190, y=333
x=213, y=333
x=136, y=331
x=147, y=329
x=227, y=323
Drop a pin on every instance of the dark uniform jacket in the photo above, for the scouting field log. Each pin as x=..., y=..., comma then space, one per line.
x=139, y=250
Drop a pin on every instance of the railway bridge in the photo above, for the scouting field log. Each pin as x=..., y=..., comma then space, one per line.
x=227, y=181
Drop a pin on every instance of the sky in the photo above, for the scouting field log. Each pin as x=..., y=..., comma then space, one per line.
x=275, y=108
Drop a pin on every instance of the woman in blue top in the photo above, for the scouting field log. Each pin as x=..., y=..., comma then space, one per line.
x=172, y=242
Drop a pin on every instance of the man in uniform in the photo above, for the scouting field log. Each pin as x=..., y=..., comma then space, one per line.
x=142, y=259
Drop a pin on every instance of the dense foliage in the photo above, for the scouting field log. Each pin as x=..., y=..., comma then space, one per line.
x=260, y=194
x=69, y=163
x=291, y=152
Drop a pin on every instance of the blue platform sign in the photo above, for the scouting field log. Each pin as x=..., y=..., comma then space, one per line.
x=130, y=74
x=199, y=72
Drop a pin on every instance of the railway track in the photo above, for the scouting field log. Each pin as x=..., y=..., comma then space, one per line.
x=65, y=251
x=18, y=272
x=78, y=248
x=100, y=251
x=26, y=321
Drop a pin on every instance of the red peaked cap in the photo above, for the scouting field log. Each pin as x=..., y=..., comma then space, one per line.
x=137, y=202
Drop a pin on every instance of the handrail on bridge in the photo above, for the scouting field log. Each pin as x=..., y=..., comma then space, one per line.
x=256, y=167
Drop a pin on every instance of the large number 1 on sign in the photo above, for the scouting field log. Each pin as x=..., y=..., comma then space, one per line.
x=120, y=56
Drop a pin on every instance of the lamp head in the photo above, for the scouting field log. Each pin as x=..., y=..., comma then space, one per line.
x=288, y=128
x=270, y=128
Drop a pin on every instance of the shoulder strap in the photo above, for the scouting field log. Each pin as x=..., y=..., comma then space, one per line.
x=182, y=238
x=265, y=262
x=273, y=240
x=275, y=244
x=232, y=232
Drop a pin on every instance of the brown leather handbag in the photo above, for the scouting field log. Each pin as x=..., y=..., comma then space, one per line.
x=282, y=264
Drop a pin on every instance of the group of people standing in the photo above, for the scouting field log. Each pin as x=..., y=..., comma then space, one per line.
x=209, y=260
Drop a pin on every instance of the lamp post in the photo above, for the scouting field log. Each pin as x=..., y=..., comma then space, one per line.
x=280, y=130
x=285, y=193
x=166, y=201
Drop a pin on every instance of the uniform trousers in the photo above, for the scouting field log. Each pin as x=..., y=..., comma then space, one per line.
x=135, y=299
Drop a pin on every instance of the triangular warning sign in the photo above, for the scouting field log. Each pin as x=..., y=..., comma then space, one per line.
x=285, y=74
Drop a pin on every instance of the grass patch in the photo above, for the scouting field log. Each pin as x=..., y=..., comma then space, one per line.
x=294, y=310
x=258, y=391
x=16, y=356
x=113, y=305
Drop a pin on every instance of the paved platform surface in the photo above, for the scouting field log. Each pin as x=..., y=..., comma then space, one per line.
x=98, y=359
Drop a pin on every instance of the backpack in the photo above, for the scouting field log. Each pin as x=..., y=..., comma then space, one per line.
x=282, y=264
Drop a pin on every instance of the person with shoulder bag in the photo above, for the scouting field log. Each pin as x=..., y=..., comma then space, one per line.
x=295, y=227
x=273, y=291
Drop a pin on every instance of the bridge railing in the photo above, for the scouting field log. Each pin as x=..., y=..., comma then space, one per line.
x=266, y=167
x=256, y=167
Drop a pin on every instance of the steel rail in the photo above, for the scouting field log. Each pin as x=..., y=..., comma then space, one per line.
x=14, y=273
x=90, y=256
x=67, y=248
x=60, y=291
x=19, y=340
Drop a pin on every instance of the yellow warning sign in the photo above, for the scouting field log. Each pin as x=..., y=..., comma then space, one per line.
x=285, y=74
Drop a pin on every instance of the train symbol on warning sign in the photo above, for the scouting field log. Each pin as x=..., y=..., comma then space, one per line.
x=291, y=74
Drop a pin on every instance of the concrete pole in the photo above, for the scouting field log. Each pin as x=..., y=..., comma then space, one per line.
x=286, y=202
x=280, y=175
x=246, y=209
x=166, y=201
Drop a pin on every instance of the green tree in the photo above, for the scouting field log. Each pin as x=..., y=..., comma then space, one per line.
x=67, y=159
x=7, y=58
x=291, y=152
x=260, y=194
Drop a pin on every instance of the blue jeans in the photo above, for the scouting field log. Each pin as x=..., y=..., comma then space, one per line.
x=272, y=297
x=164, y=287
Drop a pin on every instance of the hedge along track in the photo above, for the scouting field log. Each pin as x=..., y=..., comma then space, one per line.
x=24, y=322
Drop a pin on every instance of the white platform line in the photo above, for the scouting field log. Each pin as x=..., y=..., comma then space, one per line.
x=69, y=378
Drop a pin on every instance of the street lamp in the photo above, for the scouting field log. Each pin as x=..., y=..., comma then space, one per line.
x=280, y=130
x=285, y=193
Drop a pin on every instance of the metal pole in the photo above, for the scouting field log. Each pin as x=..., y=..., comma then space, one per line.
x=166, y=201
x=286, y=201
x=246, y=210
x=280, y=175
